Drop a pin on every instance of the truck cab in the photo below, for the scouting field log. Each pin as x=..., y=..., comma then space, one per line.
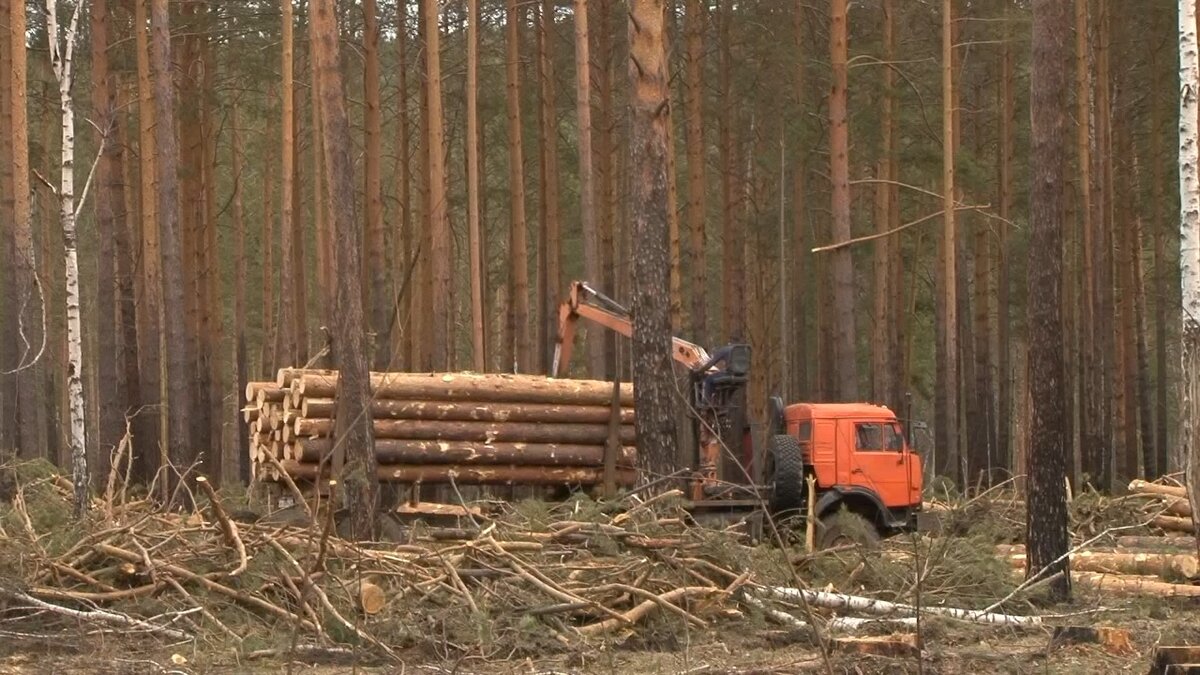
x=858, y=457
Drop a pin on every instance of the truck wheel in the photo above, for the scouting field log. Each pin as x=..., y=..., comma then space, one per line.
x=785, y=476
x=846, y=527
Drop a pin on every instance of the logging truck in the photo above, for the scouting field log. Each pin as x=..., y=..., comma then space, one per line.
x=847, y=468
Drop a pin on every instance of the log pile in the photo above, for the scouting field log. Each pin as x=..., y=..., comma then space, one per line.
x=469, y=429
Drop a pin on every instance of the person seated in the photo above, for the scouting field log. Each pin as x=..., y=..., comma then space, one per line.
x=722, y=356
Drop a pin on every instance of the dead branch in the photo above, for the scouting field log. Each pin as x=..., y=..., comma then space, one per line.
x=228, y=527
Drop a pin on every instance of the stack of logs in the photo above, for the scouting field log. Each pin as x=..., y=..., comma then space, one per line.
x=469, y=429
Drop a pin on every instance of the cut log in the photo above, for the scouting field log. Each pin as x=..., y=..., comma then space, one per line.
x=1172, y=659
x=890, y=646
x=501, y=388
x=1163, y=565
x=1179, y=507
x=479, y=412
x=285, y=376
x=842, y=601
x=395, y=451
x=476, y=432
x=1115, y=641
x=269, y=395
x=1110, y=583
x=252, y=390
x=474, y=475
x=1185, y=543
x=1142, y=487
x=371, y=597
x=1173, y=524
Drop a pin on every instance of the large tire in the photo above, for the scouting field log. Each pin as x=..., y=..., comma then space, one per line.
x=846, y=527
x=785, y=476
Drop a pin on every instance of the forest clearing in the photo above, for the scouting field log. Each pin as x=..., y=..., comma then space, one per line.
x=885, y=316
x=583, y=586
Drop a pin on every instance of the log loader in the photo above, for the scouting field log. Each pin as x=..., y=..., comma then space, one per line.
x=849, y=466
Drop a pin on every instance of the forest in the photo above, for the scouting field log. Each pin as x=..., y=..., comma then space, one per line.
x=258, y=258
x=857, y=211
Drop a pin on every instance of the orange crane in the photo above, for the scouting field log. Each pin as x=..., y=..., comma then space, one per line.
x=711, y=402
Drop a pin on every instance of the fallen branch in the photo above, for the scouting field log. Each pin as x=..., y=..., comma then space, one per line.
x=831, y=600
x=228, y=527
x=641, y=610
x=102, y=615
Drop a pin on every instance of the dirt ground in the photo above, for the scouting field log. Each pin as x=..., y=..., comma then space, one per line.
x=949, y=649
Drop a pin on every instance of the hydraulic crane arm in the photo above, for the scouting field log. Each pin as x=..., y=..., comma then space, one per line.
x=585, y=302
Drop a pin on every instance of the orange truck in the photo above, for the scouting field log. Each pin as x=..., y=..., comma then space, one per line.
x=849, y=466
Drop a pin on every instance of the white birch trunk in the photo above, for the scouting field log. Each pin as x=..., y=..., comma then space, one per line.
x=1189, y=246
x=62, y=60
x=875, y=607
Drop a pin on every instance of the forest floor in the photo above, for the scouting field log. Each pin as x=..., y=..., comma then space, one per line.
x=580, y=587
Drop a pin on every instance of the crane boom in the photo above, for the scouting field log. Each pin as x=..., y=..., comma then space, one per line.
x=585, y=302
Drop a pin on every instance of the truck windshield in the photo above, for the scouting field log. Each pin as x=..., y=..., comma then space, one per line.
x=878, y=437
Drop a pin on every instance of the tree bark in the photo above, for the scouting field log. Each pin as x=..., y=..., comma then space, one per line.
x=518, y=316
x=1046, y=522
x=377, y=249
x=109, y=220
x=404, y=174
x=30, y=409
x=839, y=153
x=1189, y=251
x=240, y=360
x=593, y=261
x=1004, y=287
x=285, y=351
x=439, y=218
x=9, y=355
x=152, y=429
x=650, y=99
x=693, y=21
x=269, y=359
x=948, y=381
x=551, y=244
x=1161, y=282
x=354, y=461
x=62, y=59
x=478, y=269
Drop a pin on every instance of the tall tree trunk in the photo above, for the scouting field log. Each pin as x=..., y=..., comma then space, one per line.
x=518, y=249
x=380, y=300
x=268, y=309
x=948, y=447
x=354, y=459
x=125, y=243
x=1046, y=522
x=180, y=448
x=286, y=352
x=241, y=367
x=653, y=377
x=1003, y=310
x=439, y=219
x=9, y=356
x=151, y=429
x=1163, y=460
x=732, y=273
x=31, y=428
x=478, y=334
x=109, y=221
x=404, y=233
x=550, y=246
x=1111, y=414
x=216, y=376
x=883, y=325
x=1092, y=443
x=62, y=59
x=839, y=153
x=802, y=260
x=593, y=261
x=693, y=20
x=606, y=174
x=299, y=236
x=1189, y=249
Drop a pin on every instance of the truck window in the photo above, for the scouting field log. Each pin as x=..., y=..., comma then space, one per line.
x=868, y=436
x=893, y=439
x=804, y=433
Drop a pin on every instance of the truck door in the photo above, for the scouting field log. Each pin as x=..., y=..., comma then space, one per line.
x=879, y=462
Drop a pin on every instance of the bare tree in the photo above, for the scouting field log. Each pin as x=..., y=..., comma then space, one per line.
x=1189, y=248
x=839, y=157
x=652, y=370
x=1046, y=523
x=376, y=240
x=62, y=60
x=478, y=347
x=354, y=459
x=592, y=259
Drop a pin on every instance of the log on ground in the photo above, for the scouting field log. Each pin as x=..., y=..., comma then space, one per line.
x=406, y=451
x=477, y=432
x=473, y=475
x=1157, y=543
x=1163, y=565
x=478, y=412
x=1142, y=487
x=501, y=388
x=1173, y=524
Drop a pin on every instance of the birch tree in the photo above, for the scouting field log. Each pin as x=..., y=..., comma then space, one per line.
x=62, y=55
x=1189, y=246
